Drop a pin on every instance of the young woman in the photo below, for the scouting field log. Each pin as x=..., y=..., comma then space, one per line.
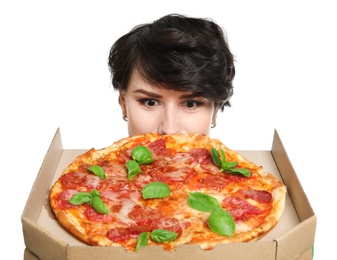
x=173, y=75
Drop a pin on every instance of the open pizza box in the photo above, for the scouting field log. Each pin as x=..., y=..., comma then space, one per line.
x=292, y=238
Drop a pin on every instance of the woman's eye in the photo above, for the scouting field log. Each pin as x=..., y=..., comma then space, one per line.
x=149, y=102
x=190, y=104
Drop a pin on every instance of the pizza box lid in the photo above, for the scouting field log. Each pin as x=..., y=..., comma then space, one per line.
x=292, y=238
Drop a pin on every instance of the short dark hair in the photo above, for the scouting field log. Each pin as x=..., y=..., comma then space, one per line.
x=176, y=52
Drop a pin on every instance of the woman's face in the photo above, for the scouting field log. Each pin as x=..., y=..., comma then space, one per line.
x=151, y=109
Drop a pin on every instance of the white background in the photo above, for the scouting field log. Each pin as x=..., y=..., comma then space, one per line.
x=53, y=73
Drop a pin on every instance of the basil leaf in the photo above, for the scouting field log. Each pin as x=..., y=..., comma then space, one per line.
x=160, y=235
x=242, y=171
x=216, y=157
x=142, y=155
x=155, y=190
x=223, y=156
x=229, y=165
x=98, y=171
x=202, y=202
x=133, y=169
x=225, y=165
x=143, y=240
x=95, y=193
x=93, y=198
x=80, y=198
x=221, y=222
x=99, y=206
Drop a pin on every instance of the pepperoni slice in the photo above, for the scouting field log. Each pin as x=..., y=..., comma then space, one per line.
x=72, y=180
x=200, y=154
x=92, y=215
x=240, y=208
x=140, y=213
x=170, y=224
x=151, y=219
x=64, y=197
x=146, y=220
x=214, y=182
x=258, y=195
x=158, y=148
x=121, y=233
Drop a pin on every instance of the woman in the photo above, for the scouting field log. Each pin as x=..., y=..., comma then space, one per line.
x=173, y=75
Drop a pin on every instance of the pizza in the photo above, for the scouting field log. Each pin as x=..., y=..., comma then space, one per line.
x=166, y=190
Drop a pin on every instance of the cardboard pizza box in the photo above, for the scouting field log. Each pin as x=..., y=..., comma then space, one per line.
x=292, y=238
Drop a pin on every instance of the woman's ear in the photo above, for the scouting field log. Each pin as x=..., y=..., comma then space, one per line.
x=121, y=101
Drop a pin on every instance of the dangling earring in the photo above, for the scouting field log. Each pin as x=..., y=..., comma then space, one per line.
x=125, y=118
x=213, y=125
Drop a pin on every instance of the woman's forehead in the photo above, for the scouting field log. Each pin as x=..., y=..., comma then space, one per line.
x=137, y=83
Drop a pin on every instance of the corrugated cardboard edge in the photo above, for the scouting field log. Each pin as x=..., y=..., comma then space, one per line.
x=287, y=248
x=35, y=237
x=28, y=255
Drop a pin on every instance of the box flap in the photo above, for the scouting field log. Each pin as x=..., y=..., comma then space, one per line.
x=28, y=255
x=42, y=181
x=302, y=236
x=35, y=237
x=290, y=179
x=236, y=251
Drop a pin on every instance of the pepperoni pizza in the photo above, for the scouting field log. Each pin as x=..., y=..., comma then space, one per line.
x=166, y=190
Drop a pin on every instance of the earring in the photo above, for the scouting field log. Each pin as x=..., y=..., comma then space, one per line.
x=213, y=125
x=125, y=118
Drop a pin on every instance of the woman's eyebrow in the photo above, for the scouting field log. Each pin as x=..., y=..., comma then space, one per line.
x=147, y=93
x=192, y=95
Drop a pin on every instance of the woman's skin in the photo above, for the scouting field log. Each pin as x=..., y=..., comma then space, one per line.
x=152, y=109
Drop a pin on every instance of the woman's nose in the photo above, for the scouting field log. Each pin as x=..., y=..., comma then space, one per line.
x=170, y=122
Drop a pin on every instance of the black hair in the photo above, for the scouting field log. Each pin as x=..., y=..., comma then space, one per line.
x=176, y=52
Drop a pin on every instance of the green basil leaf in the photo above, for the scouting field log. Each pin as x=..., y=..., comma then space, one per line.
x=143, y=240
x=95, y=193
x=242, y=171
x=216, y=157
x=98, y=171
x=202, y=202
x=142, y=155
x=221, y=222
x=133, y=169
x=80, y=198
x=225, y=165
x=160, y=235
x=229, y=165
x=146, y=161
x=223, y=156
x=155, y=190
x=99, y=206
